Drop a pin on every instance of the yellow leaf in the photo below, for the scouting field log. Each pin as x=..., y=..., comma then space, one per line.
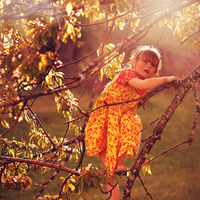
x=146, y=168
x=93, y=3
x=69, y=8
x=3, y=179
x=101, y=74
x=80, y=44
x=73, y=180
x=11, y=151
x=121, y=57
x=71, y=186
x=94, y=70
x=44, y=60
x=121, y=26
x=98, y=52
x=5, y=124
x=127, y=174
x=110, y=46
x=138, y=1
x=70, y=28
x=41, y=66
x=135, y=24
x=149, y=170
x=146, y=156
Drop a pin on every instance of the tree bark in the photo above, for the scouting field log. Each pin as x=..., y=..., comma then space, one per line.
x=188, y=84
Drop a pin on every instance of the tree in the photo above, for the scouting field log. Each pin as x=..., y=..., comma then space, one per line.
x=32, y=33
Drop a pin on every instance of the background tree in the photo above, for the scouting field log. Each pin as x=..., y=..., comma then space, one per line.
x=40, y=41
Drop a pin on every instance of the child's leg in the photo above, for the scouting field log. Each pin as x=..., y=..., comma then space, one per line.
x=102, y=155
x=120, y=162
x=115, y=191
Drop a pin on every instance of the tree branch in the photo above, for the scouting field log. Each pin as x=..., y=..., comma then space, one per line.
x=187, y=86
x=45, y=185
x=145, y=187
x=41, y=125
x=196, y=116
x=22, y=160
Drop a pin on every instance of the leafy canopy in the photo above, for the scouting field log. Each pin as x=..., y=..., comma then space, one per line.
x=31, y=33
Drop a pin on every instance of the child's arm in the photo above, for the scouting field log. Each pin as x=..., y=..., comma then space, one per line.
x=150, y=83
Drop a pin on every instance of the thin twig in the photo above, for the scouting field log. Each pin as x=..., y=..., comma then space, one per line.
x=113, y=22
x=145, y=187
x=182, y=42
x=92, y=100
x=45, y=92
x=110, y=191
x=41, y=125
x=105, y=37
x=187, y=86
x=134, y=10
x=149, y=125
x=60, y=193
x=162, y=32
x=14, y=123
x=166, y=151
x=45, y=185
x=78, y=60
x=127, y=28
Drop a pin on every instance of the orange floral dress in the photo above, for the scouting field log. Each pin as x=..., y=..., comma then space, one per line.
x=117, y=127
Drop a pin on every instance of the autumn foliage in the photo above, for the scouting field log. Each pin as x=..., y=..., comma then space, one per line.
x=31, y=35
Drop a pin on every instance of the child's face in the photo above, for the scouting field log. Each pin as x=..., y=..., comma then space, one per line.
x=144, y=69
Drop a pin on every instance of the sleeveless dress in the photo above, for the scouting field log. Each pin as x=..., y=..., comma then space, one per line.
x=117, y=127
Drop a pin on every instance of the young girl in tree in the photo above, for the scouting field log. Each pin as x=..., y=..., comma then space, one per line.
x=112, y=131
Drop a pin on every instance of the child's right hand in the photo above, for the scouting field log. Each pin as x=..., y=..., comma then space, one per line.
x=171, y=78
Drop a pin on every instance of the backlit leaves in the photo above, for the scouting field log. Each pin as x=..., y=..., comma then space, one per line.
x=90, y=179
x=185, y=25
x=122, y=21
x=93, y=3
x=66, y=104
x=14, y=176
x=16, y=183
x=30, y=35
x=146, y=166
x=112, y=63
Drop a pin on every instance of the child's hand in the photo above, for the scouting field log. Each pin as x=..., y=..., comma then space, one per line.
x=171, y=78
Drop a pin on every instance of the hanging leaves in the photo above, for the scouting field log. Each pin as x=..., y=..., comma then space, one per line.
x=146, y=166
x=13, y=183
x=112, y=63
x=184, y=25
x=90, y=179
x=31, y=33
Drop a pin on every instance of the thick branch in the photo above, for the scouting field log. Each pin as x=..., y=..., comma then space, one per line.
x=22, y=160
x=52, y=177
x=196, y=116
x=187, y=86
x=88, y=69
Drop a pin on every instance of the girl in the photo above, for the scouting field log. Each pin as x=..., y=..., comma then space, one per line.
x=112, y=131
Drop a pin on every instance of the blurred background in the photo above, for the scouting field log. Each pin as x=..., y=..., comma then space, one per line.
x=175, y=175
